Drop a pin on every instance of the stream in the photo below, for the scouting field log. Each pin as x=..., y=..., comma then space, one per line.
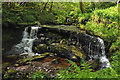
x=93, y=47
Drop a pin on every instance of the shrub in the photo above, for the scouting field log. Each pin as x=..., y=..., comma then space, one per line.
x=75, y=71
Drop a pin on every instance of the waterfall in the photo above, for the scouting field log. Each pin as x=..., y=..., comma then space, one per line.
x=103, y=59
x=25, y=46
x=93, y=47
x=96, y=50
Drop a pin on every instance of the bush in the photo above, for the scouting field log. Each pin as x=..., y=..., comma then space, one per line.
x=104, y=24
x=75, y=71
x=116, y=62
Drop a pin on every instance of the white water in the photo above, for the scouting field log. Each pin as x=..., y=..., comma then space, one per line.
x=97, y=51
x=25, y=46
x=103, y=59
x=100, y=54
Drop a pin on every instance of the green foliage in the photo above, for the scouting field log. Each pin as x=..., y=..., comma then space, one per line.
x=115, y=46
x=104, y=24
x=116, y=62
x=38, y=75
x=47, y=18
x=75, y=71
x=6, y=76
x=32, y=13
x=112, y=15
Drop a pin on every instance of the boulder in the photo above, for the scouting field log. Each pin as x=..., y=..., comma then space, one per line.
x=34, y=58
x=40, y=48
x=62, y=50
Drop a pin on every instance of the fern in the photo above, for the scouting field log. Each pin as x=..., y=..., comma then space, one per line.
x=75, y=71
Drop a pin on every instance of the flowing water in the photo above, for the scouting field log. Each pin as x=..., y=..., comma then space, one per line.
x=25, y=46
x=94, y=50
x=105, y=62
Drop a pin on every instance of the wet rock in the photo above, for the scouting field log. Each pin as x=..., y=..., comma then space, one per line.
x=42, y=56
x=61, y=49
x=66, y=51
x=55, y=61
x=41, y=48
x=4, y=66
x=78, y=51
x=16, y=65
x=34, y=58
x=94, y=64
x=12, y=71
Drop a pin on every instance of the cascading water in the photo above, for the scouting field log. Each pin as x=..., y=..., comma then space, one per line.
x=96, y=50
x=25, y=46
x=105, y=62
x=93, y=46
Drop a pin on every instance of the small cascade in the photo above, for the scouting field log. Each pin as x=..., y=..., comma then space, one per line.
x=103, y=59
x=25, y=46
x=93, y=47
x=96, y=50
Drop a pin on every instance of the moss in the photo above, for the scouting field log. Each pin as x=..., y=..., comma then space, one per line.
x=12, y=71
x=82, y=27
x=6, y=75
x=44, y=26
x=16, y=65
x=74, y=57
x=33, y=58
x=41, y=48
x=55, y=61
x=77, y=51
x=24, y=61
x=5, y=65
x=42, y=56
x=67, y=51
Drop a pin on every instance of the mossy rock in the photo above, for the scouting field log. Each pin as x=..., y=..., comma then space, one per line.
x=4, y=66
x=41, y=48
x=16, y=65
x=55, y=61
x=33, y=58
x=64, y=50
x=94, y=63
x=12, y=71
x=42, y=56
x=6, y=76
x=78, y=51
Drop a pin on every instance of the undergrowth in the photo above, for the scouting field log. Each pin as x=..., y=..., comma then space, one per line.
x=85, y=71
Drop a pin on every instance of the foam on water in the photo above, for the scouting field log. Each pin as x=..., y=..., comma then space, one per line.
x=25, y=46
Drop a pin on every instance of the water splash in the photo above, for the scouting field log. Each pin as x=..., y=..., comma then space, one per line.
x=103, y=59
x=95, y=49
x=25, y=46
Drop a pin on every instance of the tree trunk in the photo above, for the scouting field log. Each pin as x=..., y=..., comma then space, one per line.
x=81, y=6
x=51, y=7
x=93, y=5
x=44, y=6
